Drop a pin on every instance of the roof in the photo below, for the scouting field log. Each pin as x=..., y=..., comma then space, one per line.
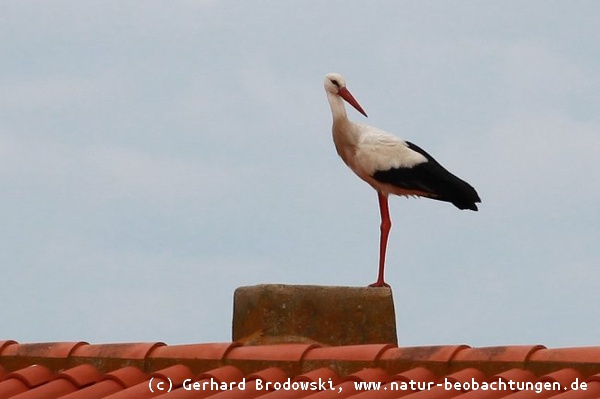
x=71, y=370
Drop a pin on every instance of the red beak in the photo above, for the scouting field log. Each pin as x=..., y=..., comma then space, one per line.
x=345, y=94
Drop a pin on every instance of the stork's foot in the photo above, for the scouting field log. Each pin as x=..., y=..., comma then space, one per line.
x=379, y=284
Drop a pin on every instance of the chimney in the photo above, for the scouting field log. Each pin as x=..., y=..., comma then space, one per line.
x=277, y=313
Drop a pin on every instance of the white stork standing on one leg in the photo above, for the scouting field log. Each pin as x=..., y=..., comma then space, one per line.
x=390, y=165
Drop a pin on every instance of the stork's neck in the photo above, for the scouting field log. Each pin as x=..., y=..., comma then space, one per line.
x=345, y=133
x=338, y=110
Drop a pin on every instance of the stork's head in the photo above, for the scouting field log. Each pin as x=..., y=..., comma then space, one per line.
x=333, y=82
x=336, y=85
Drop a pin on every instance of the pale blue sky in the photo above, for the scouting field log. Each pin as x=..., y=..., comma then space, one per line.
x=156, y=155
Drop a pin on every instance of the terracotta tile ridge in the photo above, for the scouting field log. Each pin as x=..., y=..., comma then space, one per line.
x=294, y=352
x=436, y=358
x=493, y=359
x=112, y=356
x=508, y=353
x=130, y=350
x=5, y=343
x=363, y=352
x=418, y=354
x=206, y=351
x=260, y=338
x=199, y=357
x=584, y=359
x=49, y=350
x=581, y=354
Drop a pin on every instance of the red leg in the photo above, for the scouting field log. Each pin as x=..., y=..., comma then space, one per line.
x=386, y=225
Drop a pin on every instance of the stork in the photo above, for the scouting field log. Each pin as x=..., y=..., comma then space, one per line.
x=390, y=165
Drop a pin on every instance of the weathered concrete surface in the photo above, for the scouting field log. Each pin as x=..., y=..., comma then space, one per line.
x=273, y=313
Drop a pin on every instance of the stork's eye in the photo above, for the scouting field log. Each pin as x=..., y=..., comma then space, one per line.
x=335, y=82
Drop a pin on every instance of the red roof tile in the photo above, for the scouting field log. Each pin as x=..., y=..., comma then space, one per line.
x=516, y=374
x=221, y=375
x=126, y=376
x=224, y=374
x=316, y=376
x=111, y=383
x=419, y=376
x=77, y=370
x=31, y=376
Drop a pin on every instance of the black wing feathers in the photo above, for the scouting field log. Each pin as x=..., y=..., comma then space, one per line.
x=432, y=178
